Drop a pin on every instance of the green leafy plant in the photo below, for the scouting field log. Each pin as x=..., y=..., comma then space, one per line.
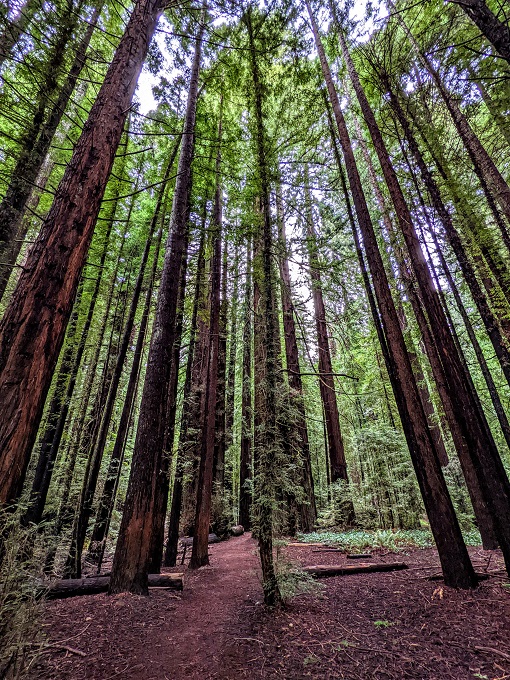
x=396, y=541
x=293, y=581
x=311, y=659
x=20, y=603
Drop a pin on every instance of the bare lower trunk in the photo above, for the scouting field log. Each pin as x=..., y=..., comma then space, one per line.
x=200, y=552
x=245, y=463
x=177, y=491
x=220, y=432
x=132, y=555
x=301, y=444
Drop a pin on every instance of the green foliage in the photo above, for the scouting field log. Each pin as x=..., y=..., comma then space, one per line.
x=396, y=541
x=293, y=581
x=310, y=660
x=21, y=607
x=221, y=514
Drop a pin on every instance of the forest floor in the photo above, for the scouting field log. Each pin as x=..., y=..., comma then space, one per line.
x=391, y=625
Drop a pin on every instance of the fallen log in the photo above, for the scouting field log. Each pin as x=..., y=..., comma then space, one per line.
x=360, y=556
x=73, y=587
x=325, y=570
x=304, y=545
x=188, y=541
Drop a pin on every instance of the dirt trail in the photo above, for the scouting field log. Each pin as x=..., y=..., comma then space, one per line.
x=196, y=634
x=391, y=626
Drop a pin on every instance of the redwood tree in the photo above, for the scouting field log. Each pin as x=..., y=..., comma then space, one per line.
x=132, y=554
x=33, y=327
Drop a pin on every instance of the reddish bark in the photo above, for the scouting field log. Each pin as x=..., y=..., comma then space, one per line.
x=301, y=444
x=453, y=554
x=33, y=327
x=132, y=555
x=338, y=466
x=473, y=427
x=245, y=463
x=177, y=491
x=220, y=428
x=200, y=551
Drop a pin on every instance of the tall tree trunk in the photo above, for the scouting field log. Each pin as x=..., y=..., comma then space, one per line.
x=107, y=501
x=491, y=386
x=48, y=452
x=132, y=555
x=496, y=31
x=245, y=463
x=483, y=164
x=491, y=323
x=267, y=379
x=194, y=413
x=66, y=383
x=457, y=568
x=483, y=517
x=11, y=254
x=163, y=480
x=200, y=550
x=84, y=425
x=18, y=191
x=177, y=491
x=376, y=317
x=232, y=360
x=337, y=461
x=301, y=444
x=426, y=400
x=474, y=430
x=84, y=507
x=33, y=327
x=220, y=436
x=37, y=139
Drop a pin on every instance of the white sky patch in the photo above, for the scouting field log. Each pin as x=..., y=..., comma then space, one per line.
x=147, y=81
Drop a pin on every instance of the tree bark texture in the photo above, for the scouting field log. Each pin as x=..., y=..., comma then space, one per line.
x=245, y=463
x=474, y=429
x=453, y=554
x=497, y=32
x=338, y=466
x=177, y=491
x=266, y=380
x=33, y=327
x=200, y=552
x=301, y=444
x=37, y=139
x=130, y=565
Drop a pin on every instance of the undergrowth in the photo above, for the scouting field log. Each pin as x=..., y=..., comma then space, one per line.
x=292, y=580
x=20, y=603
x=357, y=541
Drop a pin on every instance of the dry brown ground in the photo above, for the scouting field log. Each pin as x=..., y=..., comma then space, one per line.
x=218, y=628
